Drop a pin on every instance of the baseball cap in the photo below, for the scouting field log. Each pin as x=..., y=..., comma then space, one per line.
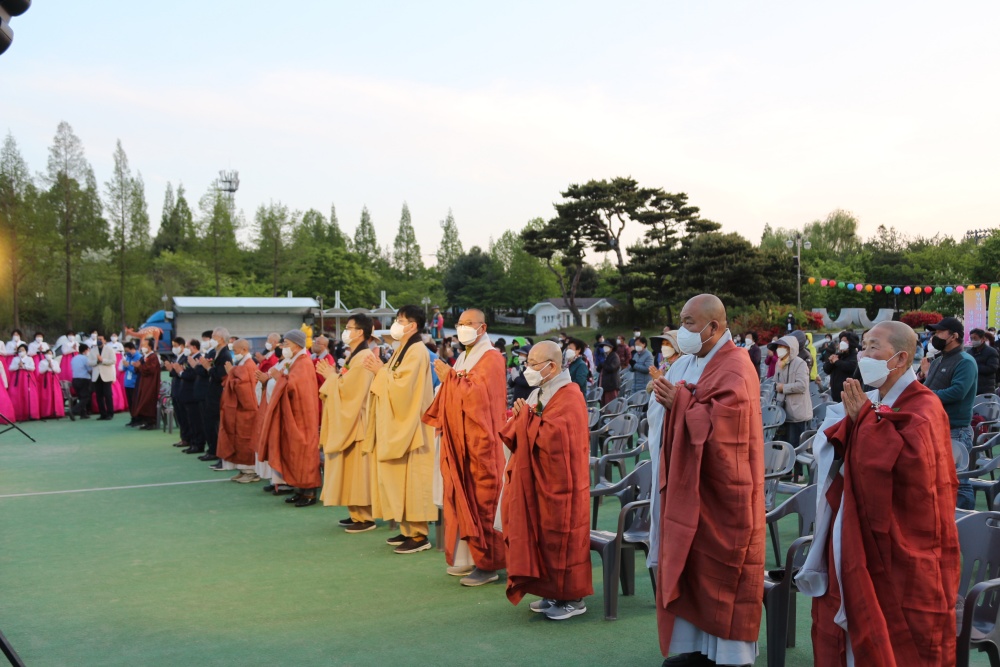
x=951, y=324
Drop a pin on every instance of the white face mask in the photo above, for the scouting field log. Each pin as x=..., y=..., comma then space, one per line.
x=48, y=355
x=397, y=330
x=38, y=339
x=16, y=337
x=237, y=358
x=114, y=339
x=22, y=354
x=639, y=347
x=176, y=350
x=690, y=342
x=206, y=345
x=286, y=352
x=533, y=377
x=570, y=354
x=844, y=345
x=467, y=335
x=874, y=371
x=230, y=346
x=268, y=346
x=782, y=352
x=667, y=350
x=345, y=337
x=144, y=350
x=637, y=333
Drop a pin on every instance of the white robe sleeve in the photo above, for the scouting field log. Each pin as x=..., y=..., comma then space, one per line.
x=28, y=364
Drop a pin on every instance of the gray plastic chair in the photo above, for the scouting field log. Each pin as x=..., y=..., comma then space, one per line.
x=617, y=549
x=779, y=459
x=637, y=403
x=593, y=416
x=978, y=468
x=979, y=537
x=803, y=505
x=594, y=396
x=779, y=603
x=614, y=437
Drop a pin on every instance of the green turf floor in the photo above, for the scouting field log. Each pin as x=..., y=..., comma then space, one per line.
x=222, y=574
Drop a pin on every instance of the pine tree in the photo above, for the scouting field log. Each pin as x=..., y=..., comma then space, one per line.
x=451, y=247
x=217, y=241
x=15, y=188
x=275, y=231
x=120, y=192
x=166, y=238
x=365, y=241
x=337, y=236
x=405, y=249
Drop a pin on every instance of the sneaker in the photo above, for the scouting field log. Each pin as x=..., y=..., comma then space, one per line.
x=217, y=467
x=237, y=477
x=346, y=522
x=396, y=541
x=412, y=546
x=360, y=527
x=460, y=570
x=542, y=605
x=249, y=478
x=560, y=611
x=479, y=577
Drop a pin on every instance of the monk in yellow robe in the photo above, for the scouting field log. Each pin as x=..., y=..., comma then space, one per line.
x=470, y=409
x=403, y=446
x=345, y=391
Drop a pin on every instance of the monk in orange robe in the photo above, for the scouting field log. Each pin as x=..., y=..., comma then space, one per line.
x=711, y=542
x=147, y=389
x=470, y=409
x=546, y=495
x=884, y=578
x=238, y=413
x=290, y=431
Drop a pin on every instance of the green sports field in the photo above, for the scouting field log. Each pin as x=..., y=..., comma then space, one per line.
x=217, y=573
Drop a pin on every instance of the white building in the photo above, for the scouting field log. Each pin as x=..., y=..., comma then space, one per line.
x=554, y=314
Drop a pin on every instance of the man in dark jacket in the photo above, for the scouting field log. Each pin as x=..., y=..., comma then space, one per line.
x=192, y=395
x=842, y=363
x=215, y=364
x=987, y=359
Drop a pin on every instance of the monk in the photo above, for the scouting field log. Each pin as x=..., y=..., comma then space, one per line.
x=884, y=568
x=271, y=356
x=147, y=389
x=238, y=413
x=470, y=409
x=401, y=444
x=546, y=496
x=290, y=430
x=347, y=472
x=710, y=480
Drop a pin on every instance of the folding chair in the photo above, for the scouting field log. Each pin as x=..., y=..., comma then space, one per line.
x=979, y=538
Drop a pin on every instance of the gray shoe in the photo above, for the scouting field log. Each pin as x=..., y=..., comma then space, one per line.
x=560, y=611
x=460, y=570
x=249, y=478
x=541, y=606
x=479, y=577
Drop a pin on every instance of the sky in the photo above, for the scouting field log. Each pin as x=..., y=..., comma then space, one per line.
x=776, y=112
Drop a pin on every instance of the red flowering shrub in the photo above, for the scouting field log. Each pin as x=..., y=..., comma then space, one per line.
x=918, y=319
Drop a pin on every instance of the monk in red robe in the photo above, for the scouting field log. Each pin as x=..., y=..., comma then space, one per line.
x=469, y=410
x=147, y=388
x=884, y=578
x=710, y=543
x=238, y=412
x=290, y=430
x=546, y=494
x=270, y=357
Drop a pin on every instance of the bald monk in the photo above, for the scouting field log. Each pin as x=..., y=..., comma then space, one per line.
x=884, y=567
x=267, y=361
x=710, y=539
x=290, y=431
x=239, y=411
x=147, y=389
x=345, y=422
x=546, y=495
x=402, y=445
x=470, y=409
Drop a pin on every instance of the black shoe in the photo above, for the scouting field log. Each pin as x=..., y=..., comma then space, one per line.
x=72, y=417
x=217, y=466
x=396, y=541
x=181, y=444
x=104, y=418
x=84, y=416
x=294, y=498
x=360, y=527
x=208, y=457
x=268, y=489
x=133, y=424
x=282, y=490
x=347, y=522
x=194, y=450
x=148, y=427
x=306, y=501
x=412, y=546
x=688, y=660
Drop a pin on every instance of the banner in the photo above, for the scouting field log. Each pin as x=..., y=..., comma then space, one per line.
x=975, y=310
x=994, y=313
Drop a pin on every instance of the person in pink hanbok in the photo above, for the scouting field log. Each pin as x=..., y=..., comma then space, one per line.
x=6, y=405
x=66, y=348
x=24, y=385
x=50, y=396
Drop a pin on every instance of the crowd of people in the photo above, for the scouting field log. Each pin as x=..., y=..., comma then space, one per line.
x=398, y=429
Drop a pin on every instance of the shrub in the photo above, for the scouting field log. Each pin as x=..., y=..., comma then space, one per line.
x=918, y=319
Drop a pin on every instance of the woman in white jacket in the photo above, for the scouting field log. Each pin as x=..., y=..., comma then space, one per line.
x=791, y=379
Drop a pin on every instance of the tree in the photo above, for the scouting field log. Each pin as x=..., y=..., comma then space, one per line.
x=16, y=193
x=525, y=279
x=168, y=239
x=74, y=203
x=275, y=228
x=365, y=241
x=126, y=207
x=337, y=237
x=217, y=245
x=451, y=247
x=472, y=282
x=561, y=244
x=405, y=250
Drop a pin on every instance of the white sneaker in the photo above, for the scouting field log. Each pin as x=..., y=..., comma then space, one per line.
x=238, y=476
x=249, y=477
x=460, y=570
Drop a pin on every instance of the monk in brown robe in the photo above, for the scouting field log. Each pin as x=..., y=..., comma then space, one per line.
x=546, y=495
x=290, y=431
x=238, y=413
x=147, y=389
x=401, y=444
x=345, y=423
x=884, y=578
x=470, y=409
x=711, y=543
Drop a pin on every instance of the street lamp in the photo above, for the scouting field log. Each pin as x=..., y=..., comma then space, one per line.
x=322, y=322
x=798, y=242
x=426, y=301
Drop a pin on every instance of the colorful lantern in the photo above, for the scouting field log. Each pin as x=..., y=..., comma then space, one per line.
x=850, y=285
x=918, y=289
x=824, y=282
x=859, y=287
x=833, y=283
x=971, y=287
x=868, y=288
x=960, y=289
x=938, y=290
x=983, y=286
x=949, y=289
x=878, y=288
x=896, y=290
x=907, y=289
x=812, y=281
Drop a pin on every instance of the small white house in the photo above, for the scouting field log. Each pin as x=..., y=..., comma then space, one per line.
x=554, y=314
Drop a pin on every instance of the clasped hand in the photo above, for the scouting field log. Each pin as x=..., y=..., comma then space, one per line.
x=854, y=398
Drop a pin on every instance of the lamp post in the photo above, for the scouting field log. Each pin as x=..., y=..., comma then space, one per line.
x=426, y=301
x=798, y=242
x=322, y=322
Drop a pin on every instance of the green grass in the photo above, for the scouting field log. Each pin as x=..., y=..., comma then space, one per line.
x=222, y=574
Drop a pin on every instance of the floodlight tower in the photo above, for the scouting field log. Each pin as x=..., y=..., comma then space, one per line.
x=229, y=182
